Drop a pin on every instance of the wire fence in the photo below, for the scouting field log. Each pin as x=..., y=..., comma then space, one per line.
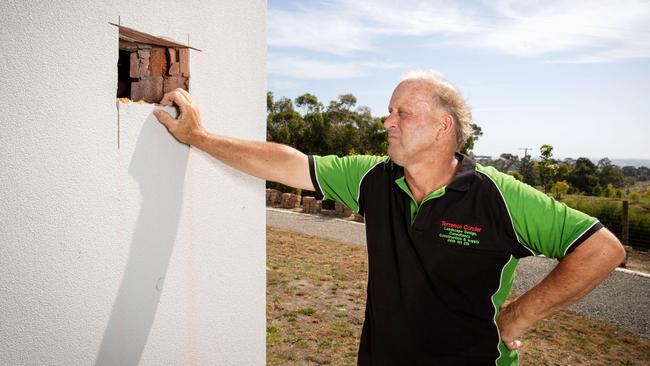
x=630, y=223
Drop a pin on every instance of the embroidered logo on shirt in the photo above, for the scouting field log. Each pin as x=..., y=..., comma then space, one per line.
x=460, y=234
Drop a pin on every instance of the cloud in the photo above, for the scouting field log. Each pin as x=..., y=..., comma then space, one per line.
x=343, y=27
x=571, y=30
x=309, y=69
x=316, y=29
x=557, y=31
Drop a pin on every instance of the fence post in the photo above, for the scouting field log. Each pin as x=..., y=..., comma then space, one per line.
x=625, y=223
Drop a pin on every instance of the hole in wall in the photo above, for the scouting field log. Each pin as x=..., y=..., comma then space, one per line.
x=123, y=79
x=149, y=66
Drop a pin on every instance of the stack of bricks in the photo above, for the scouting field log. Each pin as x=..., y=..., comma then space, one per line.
x=311, y=205
x=158, y=70
x=342, y=210
x=273, y=197
x=290, y=200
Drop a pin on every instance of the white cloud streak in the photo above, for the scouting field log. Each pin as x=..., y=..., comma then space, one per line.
x=556, y=31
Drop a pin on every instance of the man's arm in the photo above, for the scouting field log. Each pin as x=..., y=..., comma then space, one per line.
x=575, y=276
x=265, y=160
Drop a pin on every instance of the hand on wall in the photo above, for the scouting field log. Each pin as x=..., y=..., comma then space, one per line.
x=187, y=127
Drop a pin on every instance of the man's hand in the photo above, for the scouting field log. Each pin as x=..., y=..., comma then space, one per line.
x=187, y=127
x=511, y=325
x=265, y=160
x=575, y=276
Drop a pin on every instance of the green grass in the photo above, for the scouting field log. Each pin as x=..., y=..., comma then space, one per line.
x=307, y=311
x=610, y=212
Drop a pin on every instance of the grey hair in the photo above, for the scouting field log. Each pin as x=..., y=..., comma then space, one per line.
x=450, y=99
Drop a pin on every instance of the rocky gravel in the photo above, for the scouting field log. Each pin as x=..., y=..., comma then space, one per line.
x=622, y=299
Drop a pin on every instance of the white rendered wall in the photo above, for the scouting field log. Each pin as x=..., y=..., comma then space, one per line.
x=149, y=254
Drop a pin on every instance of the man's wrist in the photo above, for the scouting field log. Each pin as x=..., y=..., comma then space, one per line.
x=198, y=138
x=521, y=314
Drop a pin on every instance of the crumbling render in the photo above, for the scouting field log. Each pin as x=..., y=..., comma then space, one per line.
x=150, y=66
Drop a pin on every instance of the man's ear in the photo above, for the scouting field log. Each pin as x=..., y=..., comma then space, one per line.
x=446, y=125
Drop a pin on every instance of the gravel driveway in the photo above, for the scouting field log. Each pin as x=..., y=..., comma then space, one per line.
x=622, y=299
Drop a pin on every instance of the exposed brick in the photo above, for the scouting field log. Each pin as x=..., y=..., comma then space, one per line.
x=134, y=65
x=184, y=59
x=149, y=89
x=128, y=46
x=175, y=69
x=143, y=55
x=173, y=82
x=158, y=62
x=172, y=55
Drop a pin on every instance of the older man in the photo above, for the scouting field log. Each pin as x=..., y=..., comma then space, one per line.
x=444, y=234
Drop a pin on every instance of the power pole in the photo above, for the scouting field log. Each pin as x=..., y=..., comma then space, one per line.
x=525, y=150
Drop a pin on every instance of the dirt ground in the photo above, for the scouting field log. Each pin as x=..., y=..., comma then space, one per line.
x=316, y=291
x=638, y=260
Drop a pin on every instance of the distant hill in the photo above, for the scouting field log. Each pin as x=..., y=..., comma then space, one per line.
x=632, y=162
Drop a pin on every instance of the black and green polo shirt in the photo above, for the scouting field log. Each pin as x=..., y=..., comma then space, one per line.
x=440, y=270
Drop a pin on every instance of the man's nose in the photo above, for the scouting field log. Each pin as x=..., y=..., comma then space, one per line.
x=390, y=121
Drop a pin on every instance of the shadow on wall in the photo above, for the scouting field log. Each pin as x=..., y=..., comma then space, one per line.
x=158, y=165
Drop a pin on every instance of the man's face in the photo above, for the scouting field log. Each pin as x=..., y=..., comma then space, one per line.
x=412, y=125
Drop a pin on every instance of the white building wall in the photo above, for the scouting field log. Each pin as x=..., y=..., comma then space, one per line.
x=149, y=254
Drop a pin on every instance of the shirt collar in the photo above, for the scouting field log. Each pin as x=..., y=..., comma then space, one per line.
x=463, y=177
x=464, y=173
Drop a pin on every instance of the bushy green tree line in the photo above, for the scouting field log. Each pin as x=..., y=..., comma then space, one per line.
x=573, y=176
x=340, y=128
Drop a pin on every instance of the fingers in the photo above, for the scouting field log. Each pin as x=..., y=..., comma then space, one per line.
x=513, y=344
x=177, y=97
x=164, y=118
x=186, y=94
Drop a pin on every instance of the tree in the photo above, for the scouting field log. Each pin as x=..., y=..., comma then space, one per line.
x=517, y=176
x=559, y=188
x=563, y=169
x=526, y=170
x=609, y=173
x=315, y=139
x=509, y=161
x=611, y=191
x=545, y=168
x=643, y=173
x=473, y=138
x=344, y=137
x=597, y=191
x=283, y=124
x=584, y=176
x=629, y=171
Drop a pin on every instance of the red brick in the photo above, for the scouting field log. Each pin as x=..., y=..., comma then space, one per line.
x=173, y=82
x=184, y=58
x=149, y=89
x=143, y=55
x=158, y=62
x=134, y=65
x=175, y=69
x=128, y=46
x=172, y=55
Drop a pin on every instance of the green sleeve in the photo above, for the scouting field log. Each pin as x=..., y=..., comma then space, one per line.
x=542, y=224
x=339, y=178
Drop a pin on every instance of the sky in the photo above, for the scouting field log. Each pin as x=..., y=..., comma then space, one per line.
x=572, y=74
